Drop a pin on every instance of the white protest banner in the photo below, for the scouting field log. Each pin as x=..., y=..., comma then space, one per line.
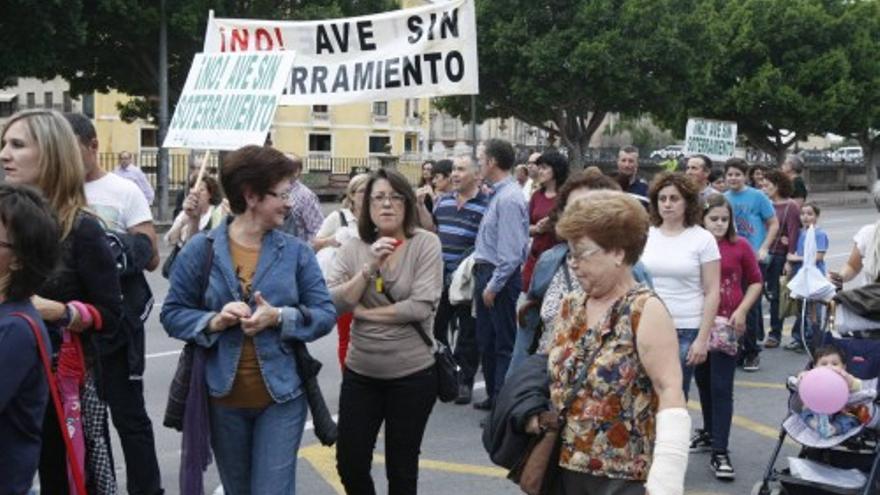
x=713, y=138
x=425, y=51
x=229, y=100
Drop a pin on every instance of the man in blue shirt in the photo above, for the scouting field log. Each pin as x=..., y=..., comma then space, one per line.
x=756, y=221
x=501, y=246
x=458, y=215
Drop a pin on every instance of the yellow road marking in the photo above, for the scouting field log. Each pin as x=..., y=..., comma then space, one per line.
x=323, y=459
x=454, y=467
x=748, y=424
x=748, y=384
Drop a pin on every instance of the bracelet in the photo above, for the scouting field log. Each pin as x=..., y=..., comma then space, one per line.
x=368, y=274
x=280, y=318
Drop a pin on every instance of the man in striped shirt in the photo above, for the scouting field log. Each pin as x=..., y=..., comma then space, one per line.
x=458, y=215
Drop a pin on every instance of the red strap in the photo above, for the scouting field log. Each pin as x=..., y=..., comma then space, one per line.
x=56, y=399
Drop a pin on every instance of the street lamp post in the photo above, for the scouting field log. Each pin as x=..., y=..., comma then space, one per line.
x=162, y=169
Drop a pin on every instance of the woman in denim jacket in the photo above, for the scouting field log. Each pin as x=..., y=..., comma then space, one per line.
x=264, y=290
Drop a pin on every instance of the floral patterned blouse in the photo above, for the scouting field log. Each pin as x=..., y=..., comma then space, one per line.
x=609, y=428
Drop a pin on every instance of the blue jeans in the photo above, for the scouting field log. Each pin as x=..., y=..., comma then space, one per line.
x=715, y=383
x=496, y=327
x=256, y=448
x=686, y=337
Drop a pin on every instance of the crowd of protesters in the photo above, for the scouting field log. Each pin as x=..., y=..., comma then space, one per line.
x=503, y=263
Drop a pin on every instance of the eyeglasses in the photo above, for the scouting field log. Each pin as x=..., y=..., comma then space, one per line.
x=7, y=245
x=574, y=258
x=282, y=196
x=394, y=199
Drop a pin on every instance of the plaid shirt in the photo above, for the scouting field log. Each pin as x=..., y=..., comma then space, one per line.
x=305, y=213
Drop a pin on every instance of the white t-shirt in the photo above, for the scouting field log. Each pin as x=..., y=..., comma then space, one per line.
x=119, y=202
x=333, y=222
x=863, y=239
x=675, y=266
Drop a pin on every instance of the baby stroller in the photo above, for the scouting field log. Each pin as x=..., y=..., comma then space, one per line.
x=846, y=463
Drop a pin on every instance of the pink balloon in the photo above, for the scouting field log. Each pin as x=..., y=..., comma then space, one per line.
x=823, y=390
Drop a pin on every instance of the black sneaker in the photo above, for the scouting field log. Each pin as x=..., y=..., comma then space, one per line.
x=701, y=441
x=752, y=363
x=721, y=466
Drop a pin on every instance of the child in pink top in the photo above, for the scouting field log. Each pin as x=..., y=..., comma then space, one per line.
x=714, y=377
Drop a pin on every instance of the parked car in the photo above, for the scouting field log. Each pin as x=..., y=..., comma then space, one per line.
x=671, y=151
x=816, y=157
x=848, y=154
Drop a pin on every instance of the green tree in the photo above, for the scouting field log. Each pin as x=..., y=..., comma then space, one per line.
x=562, y=65
x=99, y=45
x=861, y=121
x=776, y=67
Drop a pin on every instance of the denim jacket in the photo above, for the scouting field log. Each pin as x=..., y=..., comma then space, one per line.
x=307, y=310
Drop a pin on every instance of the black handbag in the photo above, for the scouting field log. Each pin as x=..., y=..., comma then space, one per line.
x=169, y=261
x=179, y=388
x=308, y=367
x=448, y=371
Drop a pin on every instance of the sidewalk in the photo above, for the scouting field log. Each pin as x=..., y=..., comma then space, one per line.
x=841, y=198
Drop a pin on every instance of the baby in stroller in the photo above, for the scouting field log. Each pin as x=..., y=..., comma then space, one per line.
x=855, y=414
x=851, y=449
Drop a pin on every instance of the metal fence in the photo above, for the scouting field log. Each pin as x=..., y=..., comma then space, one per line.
x=316, y=169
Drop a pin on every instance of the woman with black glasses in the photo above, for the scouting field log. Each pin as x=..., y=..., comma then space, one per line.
x=391, y=278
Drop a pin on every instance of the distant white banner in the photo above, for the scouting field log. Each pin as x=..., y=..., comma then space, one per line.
x=713, y=138
x=425, y=51
x=229, y=100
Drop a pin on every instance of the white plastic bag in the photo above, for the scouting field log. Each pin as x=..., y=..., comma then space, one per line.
x=809, y=282
x=817, y=472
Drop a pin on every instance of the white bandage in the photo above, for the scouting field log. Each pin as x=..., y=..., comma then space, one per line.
x=669, y=465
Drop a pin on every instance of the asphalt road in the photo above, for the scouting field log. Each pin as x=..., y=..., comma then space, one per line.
x=453, y=460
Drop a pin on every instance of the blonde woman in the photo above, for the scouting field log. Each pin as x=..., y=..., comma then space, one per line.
x=331, y=229
x=337, y=228
x=83, y=296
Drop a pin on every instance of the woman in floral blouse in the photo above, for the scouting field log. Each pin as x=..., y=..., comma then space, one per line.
x=626, y=428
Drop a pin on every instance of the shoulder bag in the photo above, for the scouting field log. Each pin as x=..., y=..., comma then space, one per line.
x=179, y=388
x=448, y=371
x=537, y=472
x=75, y=471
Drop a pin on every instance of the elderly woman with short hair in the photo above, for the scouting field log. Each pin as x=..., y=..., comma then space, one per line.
x=264, y=292
x=620, y=397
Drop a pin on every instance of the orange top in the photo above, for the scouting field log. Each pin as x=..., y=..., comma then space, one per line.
x=248, y=389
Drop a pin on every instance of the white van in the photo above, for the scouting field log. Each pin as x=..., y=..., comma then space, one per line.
x=848, y=154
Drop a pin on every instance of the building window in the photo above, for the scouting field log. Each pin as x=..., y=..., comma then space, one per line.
x=68, y=103
x=47, y=99
x=320, y=143
x=8, y=105
x=149, y=138
x=380, y=144
x=88, y=105
x=410, y=142
x=319, y=109
x=380, y=108
x=31, y=100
